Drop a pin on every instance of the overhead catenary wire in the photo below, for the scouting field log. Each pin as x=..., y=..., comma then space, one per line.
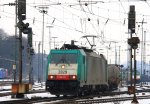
x=89, y=19
x=41, y=21
x=80, y=10
x=105, y=18
x=60, y=3
x=60, y=20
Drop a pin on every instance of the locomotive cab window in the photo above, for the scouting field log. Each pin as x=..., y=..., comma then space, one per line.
x=64, y=58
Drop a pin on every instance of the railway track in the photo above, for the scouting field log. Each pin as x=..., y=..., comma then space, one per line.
x=34, y=100
x=102, y=100
x=76, y=100
x=72, y=100
x=42, y=91
x=31, y=92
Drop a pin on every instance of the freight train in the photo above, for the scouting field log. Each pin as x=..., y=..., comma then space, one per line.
x=138, y=77
x=114, y=76
x=74, y=70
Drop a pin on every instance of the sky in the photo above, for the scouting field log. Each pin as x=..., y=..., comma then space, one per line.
x=71, y=19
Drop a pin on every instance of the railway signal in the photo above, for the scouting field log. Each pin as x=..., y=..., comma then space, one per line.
x=20, y=88
x=30, y=37
x=21, y=9
x=133, y=42
x=131, y=19
x=131, y=27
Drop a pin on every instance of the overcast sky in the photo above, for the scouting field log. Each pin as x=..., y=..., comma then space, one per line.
x=71, y=19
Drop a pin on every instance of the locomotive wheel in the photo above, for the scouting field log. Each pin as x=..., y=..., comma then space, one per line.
x=57, y=95
x=80, y=93
x=64, y=95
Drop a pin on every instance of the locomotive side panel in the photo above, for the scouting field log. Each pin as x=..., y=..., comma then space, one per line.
x=82, y=74
x=105, y=71
x=96, y=70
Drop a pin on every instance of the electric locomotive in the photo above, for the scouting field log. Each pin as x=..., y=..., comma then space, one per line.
x=74, y=70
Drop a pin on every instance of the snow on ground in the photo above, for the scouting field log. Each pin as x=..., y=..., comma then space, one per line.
x=145, y=101
x=41, y=86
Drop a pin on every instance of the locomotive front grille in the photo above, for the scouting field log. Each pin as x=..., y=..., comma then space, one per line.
x=61, y=86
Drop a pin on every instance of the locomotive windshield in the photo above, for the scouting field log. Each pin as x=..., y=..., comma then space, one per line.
x=64, y=58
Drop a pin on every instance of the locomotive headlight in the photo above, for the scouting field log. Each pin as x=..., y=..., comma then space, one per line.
x=74, y=77
x=51, y=77
x=63, y=66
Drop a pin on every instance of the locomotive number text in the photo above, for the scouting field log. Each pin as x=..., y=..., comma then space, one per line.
x=62, y=72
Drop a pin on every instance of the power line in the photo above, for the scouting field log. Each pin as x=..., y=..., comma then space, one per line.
x=69, y=27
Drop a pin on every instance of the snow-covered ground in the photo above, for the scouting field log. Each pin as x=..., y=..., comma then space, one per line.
x=39, y=86
x=142, y=101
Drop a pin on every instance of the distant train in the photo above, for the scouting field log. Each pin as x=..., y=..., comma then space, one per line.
x=138, y=77
x=3, y=73
x=74, y=70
